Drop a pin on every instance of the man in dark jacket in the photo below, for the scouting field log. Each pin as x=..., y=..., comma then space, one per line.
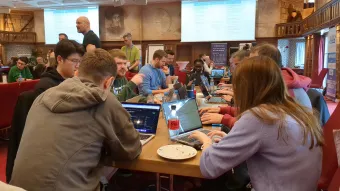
x=68, y=55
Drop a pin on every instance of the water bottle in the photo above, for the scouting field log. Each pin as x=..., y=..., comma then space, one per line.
x=4, y=78
x=175, y=96
x=173, y=122
x=165, y=97
x=212, y=85
x=150, y=99
x=20, y=78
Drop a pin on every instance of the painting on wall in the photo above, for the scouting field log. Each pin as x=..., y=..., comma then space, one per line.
x=162, y=22
x=116, y=21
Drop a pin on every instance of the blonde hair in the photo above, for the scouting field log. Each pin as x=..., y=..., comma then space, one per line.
x=268, y=50
x=259, y=88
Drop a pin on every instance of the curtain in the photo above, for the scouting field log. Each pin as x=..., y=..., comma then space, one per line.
x=321, y=54
x=300, y=54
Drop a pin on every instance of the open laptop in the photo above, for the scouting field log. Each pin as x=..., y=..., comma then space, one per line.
x=214, y=98
x=189, y=120
x=144, y=118
x=217, y=73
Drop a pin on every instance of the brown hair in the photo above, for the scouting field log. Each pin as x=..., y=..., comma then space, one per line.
x=270, y=51
x=118, y=53
x=97, y=65
x=171, y=52
x=159, y=54
x=259, y=87
x=241, y=54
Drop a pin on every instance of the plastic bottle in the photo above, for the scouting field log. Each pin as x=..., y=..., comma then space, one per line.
x=212, y=85
x=173, y=122
x=150, y=99
x=20, y=78
x=175, y=96
x=4, y=78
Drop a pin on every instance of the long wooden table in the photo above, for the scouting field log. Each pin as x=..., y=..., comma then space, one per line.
x=150, y=161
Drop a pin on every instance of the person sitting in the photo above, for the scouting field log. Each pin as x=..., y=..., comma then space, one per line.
x=237, y=58
x=197, y=72
x=280, y=140
x=85, y=124
x=125, y=88
x=20, y=72
x=296, y=85
x=155, y=81
x=39, y=68
x=68, y=55
x=208, y=65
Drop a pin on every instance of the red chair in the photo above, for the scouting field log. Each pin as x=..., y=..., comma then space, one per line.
x=27, y=85
x=8, y=98
x=329, y=159
x=129, y=75
x=335, y=183
x=318, y=81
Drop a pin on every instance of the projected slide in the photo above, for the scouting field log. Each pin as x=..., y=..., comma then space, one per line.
x=64, y=21
x=218, y=20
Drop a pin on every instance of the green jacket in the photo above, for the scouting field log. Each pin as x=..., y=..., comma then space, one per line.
x=127, y=90
x=14, y=74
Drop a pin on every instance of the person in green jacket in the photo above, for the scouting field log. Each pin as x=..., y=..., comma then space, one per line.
x=123, y=88
x=20, y=69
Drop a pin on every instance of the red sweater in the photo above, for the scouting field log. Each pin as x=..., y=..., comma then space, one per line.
x=229, y=117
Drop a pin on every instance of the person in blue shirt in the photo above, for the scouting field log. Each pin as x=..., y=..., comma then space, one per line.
x=155, y=81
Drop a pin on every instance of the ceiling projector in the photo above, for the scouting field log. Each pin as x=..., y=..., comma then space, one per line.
x=129, y=2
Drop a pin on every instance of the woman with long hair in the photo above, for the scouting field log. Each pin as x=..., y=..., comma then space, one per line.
x=279, y=139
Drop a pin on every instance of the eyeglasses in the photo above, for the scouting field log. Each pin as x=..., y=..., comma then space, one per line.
x=21, y=63
x=74, y=61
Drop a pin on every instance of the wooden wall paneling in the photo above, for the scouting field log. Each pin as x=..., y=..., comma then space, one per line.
x=338, y=61
x=315, y=49
x=308, y=55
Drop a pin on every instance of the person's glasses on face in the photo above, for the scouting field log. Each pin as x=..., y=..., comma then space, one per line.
x=74, y=61
x=21, y=63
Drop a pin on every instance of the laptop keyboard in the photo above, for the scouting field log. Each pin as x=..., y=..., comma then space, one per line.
x=192, y=140
x=144, y=137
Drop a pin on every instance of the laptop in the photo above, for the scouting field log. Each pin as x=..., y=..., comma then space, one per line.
x=217, y=73
x=189, y=120
x=214, y=98
x=144, y=118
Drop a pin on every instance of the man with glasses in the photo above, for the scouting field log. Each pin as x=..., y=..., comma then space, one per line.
x=91, y=40
x=68, y=55
x=132, y=53
x=20, y=72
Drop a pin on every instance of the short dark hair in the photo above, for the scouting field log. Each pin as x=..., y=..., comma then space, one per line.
x=198, y=61
x=159, y=54
x=171, y=52
x=64, y=35
x=24, y=59
x=66, y=47
x=97, y=65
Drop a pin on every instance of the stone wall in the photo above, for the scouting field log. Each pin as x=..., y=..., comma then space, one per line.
x=267, y=16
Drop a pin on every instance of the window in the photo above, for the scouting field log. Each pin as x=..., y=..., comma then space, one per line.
x=300, y=54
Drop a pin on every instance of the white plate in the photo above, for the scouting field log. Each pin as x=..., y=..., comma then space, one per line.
x=176, y=152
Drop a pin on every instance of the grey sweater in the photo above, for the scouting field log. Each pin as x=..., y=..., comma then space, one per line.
x=69, y=130
x=273, y=164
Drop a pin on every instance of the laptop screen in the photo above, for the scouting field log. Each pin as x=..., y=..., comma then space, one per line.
x=187, y=112
x=217, y=73
x=143, y=116
x=205, y=86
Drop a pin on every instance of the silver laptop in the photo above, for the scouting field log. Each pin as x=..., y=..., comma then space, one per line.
x=214, y=98
x=189, y=120
x=144, y=118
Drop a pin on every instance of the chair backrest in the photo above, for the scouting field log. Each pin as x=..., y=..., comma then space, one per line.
x=182, y=76
x=8, y=98
x=27, y=85
x=319, y=103
x=319, y=79
x=329, y=159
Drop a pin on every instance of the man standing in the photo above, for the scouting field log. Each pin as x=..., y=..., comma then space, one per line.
x=85, y=124
x=155, y=81
x=68, y=56
x=125, y=89
x=132, y=53
x=62, y=36
x=91, y=40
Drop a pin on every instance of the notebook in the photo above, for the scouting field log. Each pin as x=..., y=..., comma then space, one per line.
x=144, y=118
